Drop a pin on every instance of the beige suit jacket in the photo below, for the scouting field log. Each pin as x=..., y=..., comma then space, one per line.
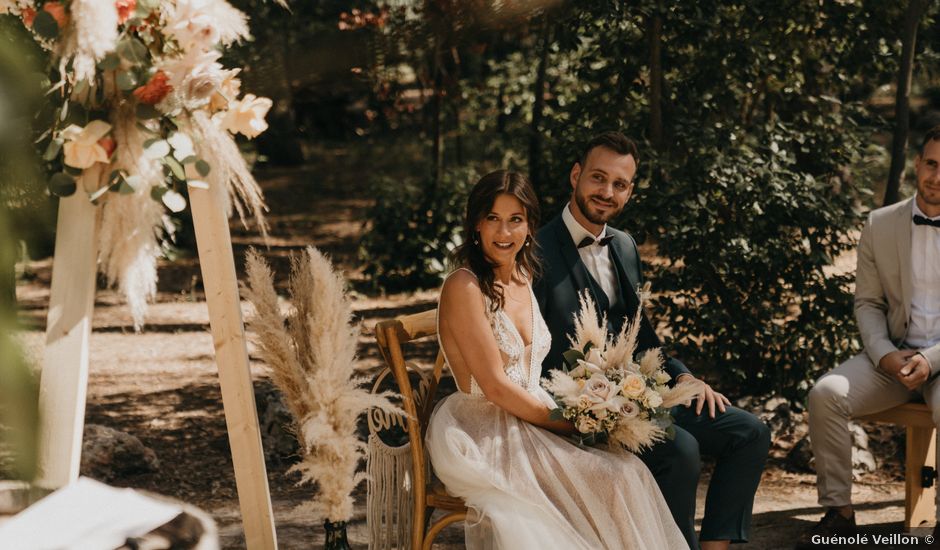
x=883, y=283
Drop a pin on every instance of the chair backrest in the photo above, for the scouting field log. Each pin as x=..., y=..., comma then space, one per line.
x=418, y=401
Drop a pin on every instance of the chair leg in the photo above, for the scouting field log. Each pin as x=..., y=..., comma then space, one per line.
x=440, y=525
x=919, y=500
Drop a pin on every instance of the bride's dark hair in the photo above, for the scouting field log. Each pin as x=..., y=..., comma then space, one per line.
x=479, y=204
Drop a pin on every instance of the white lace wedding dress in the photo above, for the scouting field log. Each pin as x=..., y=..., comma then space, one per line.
x=528, y=488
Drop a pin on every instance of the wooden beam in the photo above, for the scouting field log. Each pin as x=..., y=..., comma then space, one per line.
x=214, y=242
x=64, y=380
x=921, y=451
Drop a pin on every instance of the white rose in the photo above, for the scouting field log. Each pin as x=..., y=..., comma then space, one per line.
x=246, y=115
x=182, y=145
x=191, y=23
x=81, y=147
x=585, y=424
x=653, y=399
x=633, y=385
x=662, y=377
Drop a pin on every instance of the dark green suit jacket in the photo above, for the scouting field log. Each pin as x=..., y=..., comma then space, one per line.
x=563, y=278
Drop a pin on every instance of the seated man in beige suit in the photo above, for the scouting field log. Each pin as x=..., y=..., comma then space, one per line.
x=897, y=305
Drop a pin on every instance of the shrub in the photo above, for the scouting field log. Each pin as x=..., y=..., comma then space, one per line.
x=412, y=227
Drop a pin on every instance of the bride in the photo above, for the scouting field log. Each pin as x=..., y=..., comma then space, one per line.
x=492, y=442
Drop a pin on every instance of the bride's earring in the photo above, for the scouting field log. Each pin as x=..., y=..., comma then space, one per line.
x=528, y=241
x=476, y=239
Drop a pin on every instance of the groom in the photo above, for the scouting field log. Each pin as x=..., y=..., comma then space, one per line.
x=580, y=251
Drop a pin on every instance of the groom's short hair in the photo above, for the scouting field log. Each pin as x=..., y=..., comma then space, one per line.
x=932, y=134
x=615, y=141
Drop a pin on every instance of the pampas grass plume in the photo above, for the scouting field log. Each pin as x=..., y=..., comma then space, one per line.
x=312, y=353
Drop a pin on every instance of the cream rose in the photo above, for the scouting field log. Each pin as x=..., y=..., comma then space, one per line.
x=585, y=424
x=662, y=377
x=246, y=115
x=81, y=148
x=633, y=385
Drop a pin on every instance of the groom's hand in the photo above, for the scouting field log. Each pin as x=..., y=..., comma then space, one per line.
x=915, y=372
x=706, y=395
x=893, y=362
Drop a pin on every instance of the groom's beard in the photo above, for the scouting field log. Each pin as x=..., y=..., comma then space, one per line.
x=592, y=216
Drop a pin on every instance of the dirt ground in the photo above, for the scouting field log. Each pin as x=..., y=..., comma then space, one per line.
x=161, y=385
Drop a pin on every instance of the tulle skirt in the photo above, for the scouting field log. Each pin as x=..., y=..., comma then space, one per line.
x=528, y=488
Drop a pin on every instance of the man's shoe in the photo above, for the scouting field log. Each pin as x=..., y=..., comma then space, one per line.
x=821, y=535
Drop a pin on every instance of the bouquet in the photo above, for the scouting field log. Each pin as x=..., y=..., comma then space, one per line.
x=609, y=395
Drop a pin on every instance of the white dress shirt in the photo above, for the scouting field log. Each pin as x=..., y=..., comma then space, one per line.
x=924, y=330
x=595, y=257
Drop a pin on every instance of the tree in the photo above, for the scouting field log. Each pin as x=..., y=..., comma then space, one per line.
x=902, y=104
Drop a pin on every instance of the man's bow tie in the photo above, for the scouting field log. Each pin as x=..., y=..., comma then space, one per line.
x=588, y=241
x=918, y=220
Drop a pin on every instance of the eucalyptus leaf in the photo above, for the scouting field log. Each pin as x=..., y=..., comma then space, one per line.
x=571, y=357
x=126, y=80
x=156, y=148
x=62, y=184
x=203, y=167
x=132, y=50
x=45, y=25
x=53, y=149
x=110, y=62
x=175, y=168
x=93, y=197
x=147, y=112
x=174, y=201
x=157, y=192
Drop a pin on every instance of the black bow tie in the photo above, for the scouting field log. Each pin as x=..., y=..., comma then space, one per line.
x=588, y=241
x=920, y=220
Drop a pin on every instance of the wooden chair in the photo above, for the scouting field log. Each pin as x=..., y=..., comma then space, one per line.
x=920, y=459
x=428, y=496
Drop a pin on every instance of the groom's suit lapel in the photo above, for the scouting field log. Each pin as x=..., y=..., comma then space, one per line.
x=626, y=283
x=902, y=225
x=579, y=273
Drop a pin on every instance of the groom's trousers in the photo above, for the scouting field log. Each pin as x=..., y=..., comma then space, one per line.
x=739, y=443
x=854, y=388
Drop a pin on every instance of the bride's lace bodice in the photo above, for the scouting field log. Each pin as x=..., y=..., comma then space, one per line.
x=518, y=370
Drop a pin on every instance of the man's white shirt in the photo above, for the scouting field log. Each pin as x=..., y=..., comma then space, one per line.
x=595, y=257
x=924, y=330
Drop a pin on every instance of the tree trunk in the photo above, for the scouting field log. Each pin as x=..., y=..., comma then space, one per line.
x=437, y=133
x=538, y=108
x=902, y=104
x=656, y=80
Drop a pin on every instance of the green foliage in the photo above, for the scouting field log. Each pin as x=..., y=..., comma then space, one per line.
x=749, y=239
x=413, y=225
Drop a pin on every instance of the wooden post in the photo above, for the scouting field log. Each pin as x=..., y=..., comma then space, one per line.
x=920, y=452
x=217, y=262
x=64, y=379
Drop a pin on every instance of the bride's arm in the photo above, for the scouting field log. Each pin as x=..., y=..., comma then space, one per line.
x=463, y=316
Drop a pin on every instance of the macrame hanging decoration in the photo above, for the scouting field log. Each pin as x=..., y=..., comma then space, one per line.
x=390, y=491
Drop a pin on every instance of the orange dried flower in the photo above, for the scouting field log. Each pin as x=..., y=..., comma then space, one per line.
x=154, y=90
x=28, y=14
x=125, y=8
x=108, y=144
